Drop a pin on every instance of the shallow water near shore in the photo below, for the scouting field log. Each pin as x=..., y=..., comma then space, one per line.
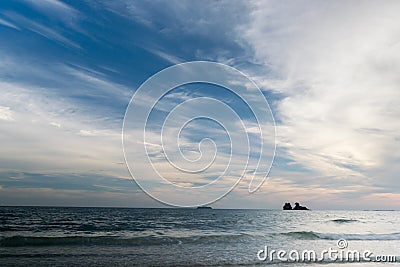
x=184, y=237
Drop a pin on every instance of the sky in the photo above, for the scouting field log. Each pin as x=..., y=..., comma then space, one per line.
x=329, y=70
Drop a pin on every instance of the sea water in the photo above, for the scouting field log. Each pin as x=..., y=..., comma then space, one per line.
x=55, y=236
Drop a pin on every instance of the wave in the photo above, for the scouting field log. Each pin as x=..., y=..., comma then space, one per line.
x=391, y=236
x=310, y=235
x=302, y=235
x=344, y=220
x=22, y=241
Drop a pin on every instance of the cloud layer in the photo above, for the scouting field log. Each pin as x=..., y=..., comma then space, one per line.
x=329, y=69
x=337, y=66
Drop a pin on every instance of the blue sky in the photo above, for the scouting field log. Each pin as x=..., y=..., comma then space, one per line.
x=329, y=70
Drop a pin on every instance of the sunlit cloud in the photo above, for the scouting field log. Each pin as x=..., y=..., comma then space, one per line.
x=329, y=70
x=336, y=66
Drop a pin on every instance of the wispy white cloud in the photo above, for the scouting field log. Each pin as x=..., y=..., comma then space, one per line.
x=337, y=66
x=58, y=10
x=51, y=5
x=6, y=114
x=51, y=140
x=55, y=124
x=9, y=24
x=45, y=31
x=97, y=82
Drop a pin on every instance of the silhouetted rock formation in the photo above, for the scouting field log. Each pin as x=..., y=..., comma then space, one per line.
x=287, y=206
x=297, y=206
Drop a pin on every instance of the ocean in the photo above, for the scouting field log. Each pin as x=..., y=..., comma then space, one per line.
x=60, y=236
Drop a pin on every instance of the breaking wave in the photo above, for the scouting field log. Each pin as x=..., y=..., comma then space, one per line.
x=344, y=220
x=310, y=235
x=21, y=241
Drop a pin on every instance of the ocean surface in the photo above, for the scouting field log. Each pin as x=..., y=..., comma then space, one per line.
x=54, y=236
